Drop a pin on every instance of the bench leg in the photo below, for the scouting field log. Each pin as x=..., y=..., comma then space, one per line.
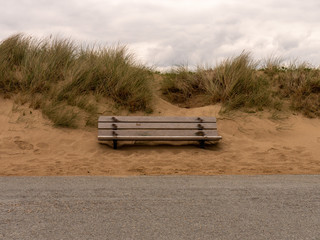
x=115, y=144
x=201, y=142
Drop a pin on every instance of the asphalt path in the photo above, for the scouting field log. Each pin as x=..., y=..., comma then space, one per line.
x=211, y=207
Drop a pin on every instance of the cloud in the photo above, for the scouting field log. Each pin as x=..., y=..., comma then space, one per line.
x=165, y=33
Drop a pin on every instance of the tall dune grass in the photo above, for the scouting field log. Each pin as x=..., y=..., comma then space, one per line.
x=61, y=74
x=181, y=84
x=239, y=83
x=297, y=83
x=232, y=82
x=66, y=81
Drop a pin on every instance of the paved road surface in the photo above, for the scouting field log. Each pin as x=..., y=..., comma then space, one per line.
x=215, y=207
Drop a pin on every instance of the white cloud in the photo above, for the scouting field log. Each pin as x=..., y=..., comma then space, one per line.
x=168, y=32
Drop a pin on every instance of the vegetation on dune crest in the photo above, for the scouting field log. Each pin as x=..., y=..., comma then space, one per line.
x=67, y=82
x=181, y=84
x=297, y=83
x=238, y=83
x=60, y=77
x=232, y=82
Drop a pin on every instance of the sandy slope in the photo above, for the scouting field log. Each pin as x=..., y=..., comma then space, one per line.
x=251, y=144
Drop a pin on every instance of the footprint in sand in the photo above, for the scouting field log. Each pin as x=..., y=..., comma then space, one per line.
x=286, y=148
x=42, y=145
x=24, y=145
x=272, y=149
x=37, y=151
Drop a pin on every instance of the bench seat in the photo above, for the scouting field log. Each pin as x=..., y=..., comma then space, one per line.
x=148, y=128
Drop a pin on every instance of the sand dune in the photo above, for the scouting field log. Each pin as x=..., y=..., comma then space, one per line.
x=252, y=144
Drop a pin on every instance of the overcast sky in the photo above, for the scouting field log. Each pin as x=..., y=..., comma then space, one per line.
x=165, y=33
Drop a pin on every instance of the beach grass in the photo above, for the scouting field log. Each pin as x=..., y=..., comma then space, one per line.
x=241, y=83
x=67, y=81
x=57, y=75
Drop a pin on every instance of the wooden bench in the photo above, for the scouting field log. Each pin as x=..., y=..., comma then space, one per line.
x=145, y=128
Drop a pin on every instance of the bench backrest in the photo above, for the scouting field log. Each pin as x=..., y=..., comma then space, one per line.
x=157, y=128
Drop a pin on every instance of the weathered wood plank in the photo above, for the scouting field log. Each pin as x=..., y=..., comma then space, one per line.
x=160, y=138
x=163, y=126
x=170, y=134
x=164, y=119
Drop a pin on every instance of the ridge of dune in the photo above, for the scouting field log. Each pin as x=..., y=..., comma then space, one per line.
x=251, y=144
x=164, y=108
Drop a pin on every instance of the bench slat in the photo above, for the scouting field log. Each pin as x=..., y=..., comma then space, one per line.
x=157, y=135
x=161, y=138
x=136, y=119
x=162, y=126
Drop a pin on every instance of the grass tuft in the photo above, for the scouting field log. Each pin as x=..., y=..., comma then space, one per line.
x=300, y=85
x=232, y=82
x=66, y=75
x=181, y=84
x=238, y=84
x=62, y=115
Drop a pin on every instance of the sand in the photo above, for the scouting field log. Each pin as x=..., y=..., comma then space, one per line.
x=251, y=144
